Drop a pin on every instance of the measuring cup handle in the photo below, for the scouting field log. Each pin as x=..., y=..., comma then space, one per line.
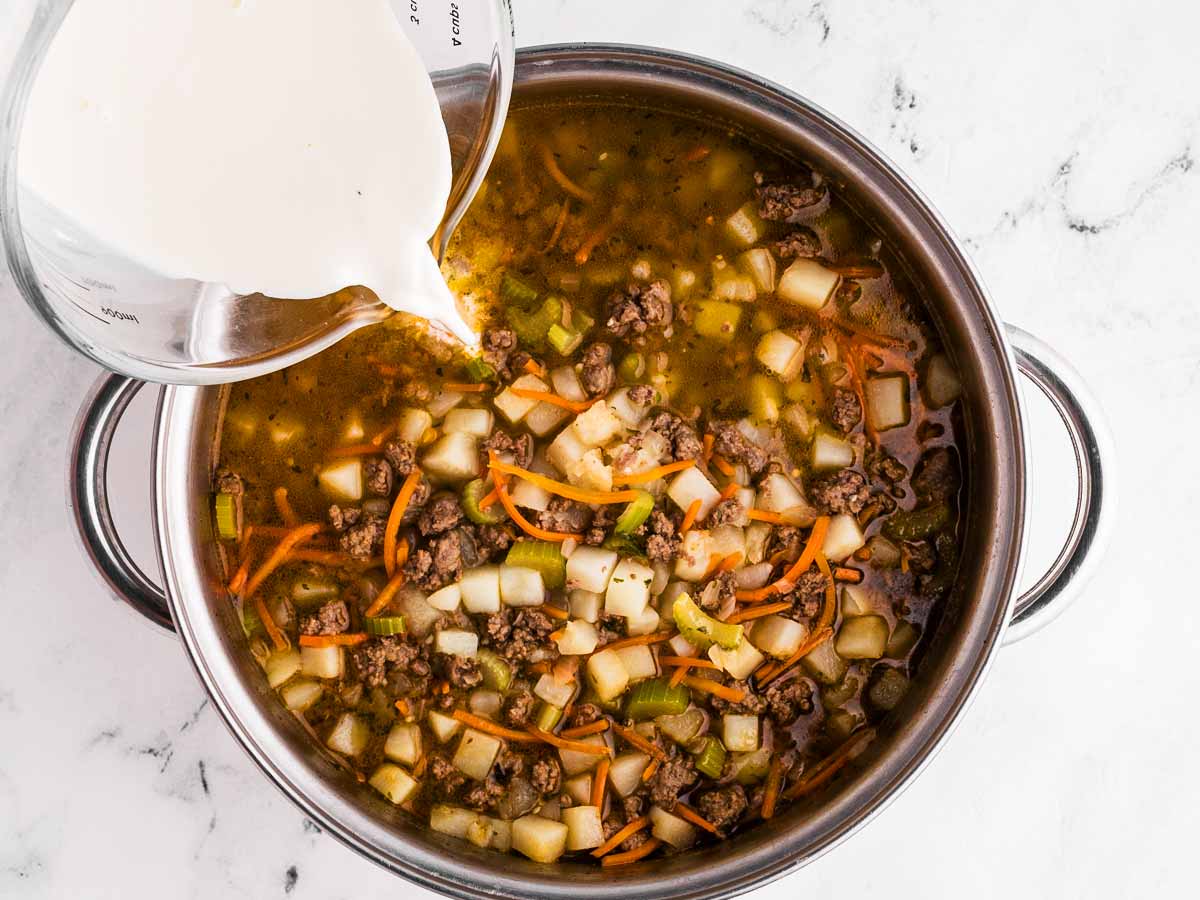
x=88, y=491
x=1096, y=499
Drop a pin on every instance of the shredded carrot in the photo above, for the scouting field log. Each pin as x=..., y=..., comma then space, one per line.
x=848, y=575
x=714, y=560
x=729, y=562
x=764, y=515
x=600, y=725
x=632, y=737
x=697, y=153
x=785, y=582
x=421, y=766
x=868, y=269
x=771, y=791
x=723, y=465
x=558, y=226
x=540, y=668
x=556, y=635
x=599, y=779
x=621, y=836
x=564, y=490
x=534, y=368
x=651, y=770
x=686, y=812
x=279, y=555
x=632, y=856
x=467, y=387
x=238, y=581
x=687, y=662
x=689, y=517
x=278, y=638
x=863, y=554
x=278, y=531
x=290, y=519
x=757, y=612
x=677, y=677
x=655, y=638
x=332, y=640
x=732, y=694
x=831, y=765
x=655, y=473
x=706, y=453
x=555, y=613
x=401, y=555
x=528, y=527
x=729, y=490
x=595, y=239
x=566, y=670
x=392, y=529
x=829, y=610
x=385, y=596
x=380, y=436
x=553, y=399
x=366, y=449
x=563, y=744
x=561, y=179
x=481, y=724
x=769, y=673
x=488, y=499
x=403, y=706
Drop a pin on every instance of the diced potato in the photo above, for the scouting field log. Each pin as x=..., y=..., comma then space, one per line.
x=418, y=614
x=631, y=414
x=444, y=727
x=778, y=493
x=447, y=599
x=843, y=538
x=863, y=637
x=342, y=480
x=544, y=418
x=585, y=605
x=691, y=485
x=565, y=451
x=584, y=830
x=646, y=623
x=566, y=384
x=670, y=829
x=744, y=227
x=321, y=662
x=443, y=403
x=781, y=353
x=469, y=421
x=480, y=589
x=393, y=782
x=607, y=674
x=778, y=636
x=807, y=283
x=579, y=788
x=941, y=384
x=476, y=753
x=739, y=662
x=681, y=646
x=694, y=552
x=413, y=424
x=349, y=736
x=282, y=665
x=830, y=453
x=501, y=835
x=887, y=401
x=515, y=408
x=452, y=820
x=597, y=425
x=856, y=601
x=717, y=320
x=625, y=773
x=576, y=763
x=757, y=536
x=638, y=662
x=578, y=638
x=480, y=832
x=628, y=589
x=283, y=431
x=798, y=419
x=553, y=691
x=590, y=568
x=453, y=458
x=824, y=664
x=592, y=473
x=529, y=495
x=456, y=642
x=542, y=840
x=730, y=284
x=726, y=539
x=759, y=265
x=521, y=586
x=403, y=743
x=486, y=703
x=765, y=399
x=301, y=694
x=739, y=733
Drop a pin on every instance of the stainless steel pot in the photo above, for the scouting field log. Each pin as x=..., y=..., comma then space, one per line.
x=981, y=611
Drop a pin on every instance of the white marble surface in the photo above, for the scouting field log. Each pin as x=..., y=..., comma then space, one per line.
x=1059, y=138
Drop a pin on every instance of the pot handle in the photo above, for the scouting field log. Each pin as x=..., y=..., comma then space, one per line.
x=88, y=492
x=1096, y=501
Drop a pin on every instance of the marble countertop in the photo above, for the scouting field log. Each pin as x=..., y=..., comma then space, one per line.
x=1060, y=140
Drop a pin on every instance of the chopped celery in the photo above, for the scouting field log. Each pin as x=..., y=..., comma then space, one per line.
x=835, y=695
x=547, y=715
x=915, y=524
x=656, y=697
x=532, y=327
x=472, y=493
x=637, y=512
x=497, y=673
x=382, y=626
x=744, y=226
x=710, y=759
x=563, y=340
x=543, y=557
x=717, y=320
x=684, y=727
x=625, y=545
x=702, y=630
x=751, y=767
x=478, y=369
x=886, y=688
x=632, y=366
x=515, y=292
x=226, y=514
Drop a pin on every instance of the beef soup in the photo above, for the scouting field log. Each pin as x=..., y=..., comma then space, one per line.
x=656, y=562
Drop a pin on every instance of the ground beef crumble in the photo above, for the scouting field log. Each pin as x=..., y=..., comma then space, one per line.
x=638, y=308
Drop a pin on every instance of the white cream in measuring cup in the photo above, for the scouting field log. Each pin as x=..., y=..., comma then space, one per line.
x=285, y=147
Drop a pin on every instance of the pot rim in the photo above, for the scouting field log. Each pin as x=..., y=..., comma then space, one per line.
x=732, y=871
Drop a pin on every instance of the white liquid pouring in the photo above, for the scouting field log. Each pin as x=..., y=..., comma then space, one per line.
x=285, y=147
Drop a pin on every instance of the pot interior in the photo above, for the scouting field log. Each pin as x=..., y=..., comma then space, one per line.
x=955, y=655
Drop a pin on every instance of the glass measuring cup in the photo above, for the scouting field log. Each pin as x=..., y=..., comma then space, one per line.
x=134, y=320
